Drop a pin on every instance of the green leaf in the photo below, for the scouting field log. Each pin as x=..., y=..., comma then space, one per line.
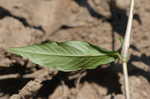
x=67, y=56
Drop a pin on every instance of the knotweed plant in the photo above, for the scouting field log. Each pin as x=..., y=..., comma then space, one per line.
x=77, y=55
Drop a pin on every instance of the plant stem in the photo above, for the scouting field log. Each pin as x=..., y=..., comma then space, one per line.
x=125, y=48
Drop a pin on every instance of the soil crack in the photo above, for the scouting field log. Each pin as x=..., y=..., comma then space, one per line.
x=6, y=13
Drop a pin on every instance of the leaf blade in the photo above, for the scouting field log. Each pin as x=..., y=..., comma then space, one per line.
x=66, y=56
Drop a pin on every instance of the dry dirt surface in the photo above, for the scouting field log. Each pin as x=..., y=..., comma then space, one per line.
x=101, y=22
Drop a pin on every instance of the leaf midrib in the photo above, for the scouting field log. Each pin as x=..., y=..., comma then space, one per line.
x=62, y=54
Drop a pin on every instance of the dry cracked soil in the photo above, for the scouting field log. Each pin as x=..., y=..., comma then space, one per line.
x=101, y=22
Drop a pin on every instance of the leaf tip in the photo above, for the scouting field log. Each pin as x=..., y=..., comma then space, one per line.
x=11, y=50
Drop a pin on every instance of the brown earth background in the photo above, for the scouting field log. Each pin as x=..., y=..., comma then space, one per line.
x=100, y=22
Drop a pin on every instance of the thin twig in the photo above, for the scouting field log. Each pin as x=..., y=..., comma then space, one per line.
x=125, y=49
x=31, y=88
x=9, y=76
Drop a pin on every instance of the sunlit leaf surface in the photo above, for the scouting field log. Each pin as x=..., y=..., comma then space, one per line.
x=66, y=56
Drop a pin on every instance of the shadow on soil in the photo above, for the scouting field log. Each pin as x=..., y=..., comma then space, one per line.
x=103, y=77
x=137, y=71
x=118, y=18
x=11, y=86
x=6, y=13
